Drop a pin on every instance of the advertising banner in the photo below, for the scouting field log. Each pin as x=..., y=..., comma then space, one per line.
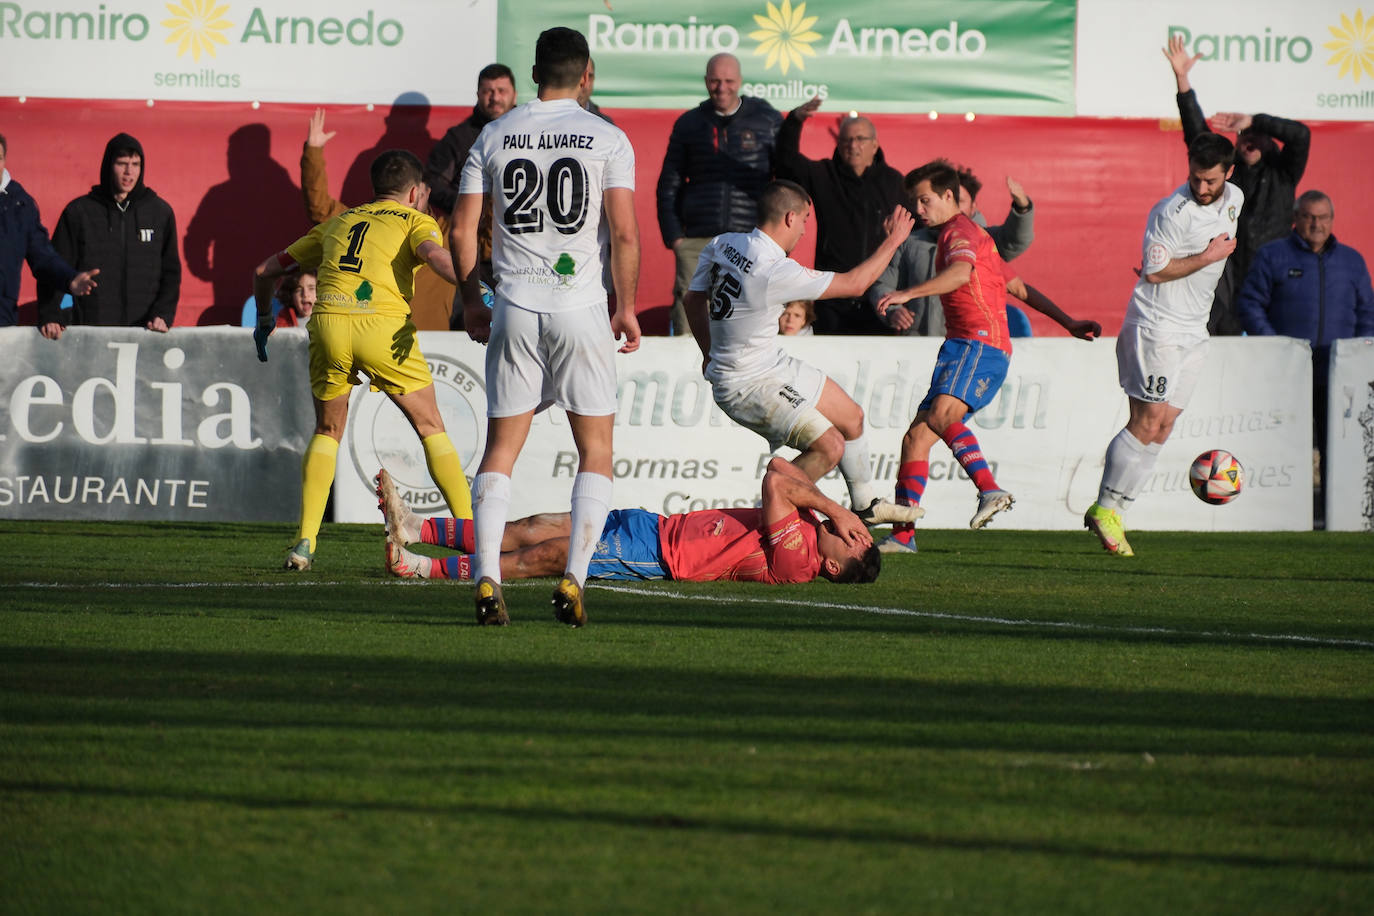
x=1310, y=60
x=984, y=56
x=318, y=51
x=1045, y=435
x=1350, y=437
x=126, y=424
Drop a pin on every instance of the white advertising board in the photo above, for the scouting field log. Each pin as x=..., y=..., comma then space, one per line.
x=1350, y=437
x=319, y=51
x=1045, y=434
x=1309, y=60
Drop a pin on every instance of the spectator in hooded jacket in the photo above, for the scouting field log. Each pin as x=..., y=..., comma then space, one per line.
x=854, y=191
x=122, y=227
x=718, y=161
x=23, y=238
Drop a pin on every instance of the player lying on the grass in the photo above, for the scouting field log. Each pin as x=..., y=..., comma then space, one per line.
x=782, y=541
x=746, y=279
x=972, y=282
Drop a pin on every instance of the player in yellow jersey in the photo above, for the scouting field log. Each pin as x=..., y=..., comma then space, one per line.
x=366, y=260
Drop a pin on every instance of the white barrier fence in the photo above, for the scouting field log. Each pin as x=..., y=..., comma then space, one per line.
x=121, y=423
x=1350, y=437
x=1045, y=434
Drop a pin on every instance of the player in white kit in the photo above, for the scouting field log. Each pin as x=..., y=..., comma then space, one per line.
x=742, y=282
x=1163, y=340
x=552, y=170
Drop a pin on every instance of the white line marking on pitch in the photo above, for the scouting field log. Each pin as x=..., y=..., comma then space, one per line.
x=820, y=605
x=999, y=621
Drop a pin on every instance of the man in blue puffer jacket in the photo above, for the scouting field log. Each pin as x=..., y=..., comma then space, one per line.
x=1310, y=286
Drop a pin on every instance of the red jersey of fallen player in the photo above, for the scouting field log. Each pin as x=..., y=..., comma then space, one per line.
x=729, y=544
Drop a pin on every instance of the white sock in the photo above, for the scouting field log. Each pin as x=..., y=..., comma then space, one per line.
x=1144, y=468
x=490, y=508
x=857, y=471
x=591, y=503
x=1121, y=476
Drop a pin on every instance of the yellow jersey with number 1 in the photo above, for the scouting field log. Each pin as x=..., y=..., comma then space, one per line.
x=366, y=258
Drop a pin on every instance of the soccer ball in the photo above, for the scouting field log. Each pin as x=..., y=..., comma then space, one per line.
x=1216, y=477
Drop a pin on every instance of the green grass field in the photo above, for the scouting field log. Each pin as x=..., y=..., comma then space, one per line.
x=1010, y=722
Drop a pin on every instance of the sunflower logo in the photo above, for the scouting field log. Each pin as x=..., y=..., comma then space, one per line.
x=1354, y=46
x=196, y=26
x=784, y=35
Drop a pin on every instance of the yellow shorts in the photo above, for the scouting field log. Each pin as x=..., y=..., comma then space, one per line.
x=382, y=347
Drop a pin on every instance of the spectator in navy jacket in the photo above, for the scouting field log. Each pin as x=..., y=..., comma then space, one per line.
x=719, y=158
x=23, y=238
x=1309, y=285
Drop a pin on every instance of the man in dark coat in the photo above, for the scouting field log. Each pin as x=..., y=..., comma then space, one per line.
x=718, y=161
x=1267, y=174
x=123, y=228
x=853, y=191
x=23, y=238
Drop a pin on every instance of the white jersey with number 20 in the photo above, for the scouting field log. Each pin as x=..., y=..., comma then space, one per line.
x=546, y=165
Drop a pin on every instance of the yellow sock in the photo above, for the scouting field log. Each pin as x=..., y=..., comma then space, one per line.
x=447, y=471
x=317, y=476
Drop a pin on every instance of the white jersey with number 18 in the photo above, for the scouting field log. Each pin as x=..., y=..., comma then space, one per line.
x=1180, y=227
x=546, y=165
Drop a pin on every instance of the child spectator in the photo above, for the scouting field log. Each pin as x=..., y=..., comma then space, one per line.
x=797, y=317
x=297, y=297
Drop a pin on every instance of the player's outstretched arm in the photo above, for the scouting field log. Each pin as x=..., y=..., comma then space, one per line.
x=619, y=207
x=854, y=283
x=1083, y=329
x=694, y=303
x=264, y=284
x=439, y=260
x=955, y=275
x=467, y=213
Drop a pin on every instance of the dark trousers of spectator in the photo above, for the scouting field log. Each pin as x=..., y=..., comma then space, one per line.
x=848, y=316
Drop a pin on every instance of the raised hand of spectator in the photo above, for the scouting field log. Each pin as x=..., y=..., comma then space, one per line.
x=1177, y=55
x=1230, y=120
x=1019, y=198
x=807, y=109
x=317, y=135
x=83, y=283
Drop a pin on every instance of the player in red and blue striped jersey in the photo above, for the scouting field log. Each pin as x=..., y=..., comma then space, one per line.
x=972, y=282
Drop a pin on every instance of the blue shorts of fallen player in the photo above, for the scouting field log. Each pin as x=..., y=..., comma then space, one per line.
x=969, y=370
x=628, y=548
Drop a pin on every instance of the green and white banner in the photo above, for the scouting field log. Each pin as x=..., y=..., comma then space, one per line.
x=982, y=56
x=1308, y=61
x=319, y=51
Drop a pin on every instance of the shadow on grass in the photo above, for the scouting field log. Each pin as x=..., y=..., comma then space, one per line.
x=914, y=839
x=498, y=696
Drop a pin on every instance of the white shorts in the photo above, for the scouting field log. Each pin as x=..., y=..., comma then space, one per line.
x=1159, y=367
x=535, y=359
x=776, y=404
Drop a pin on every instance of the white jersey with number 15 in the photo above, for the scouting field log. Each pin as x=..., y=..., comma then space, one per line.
x=546, y=165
